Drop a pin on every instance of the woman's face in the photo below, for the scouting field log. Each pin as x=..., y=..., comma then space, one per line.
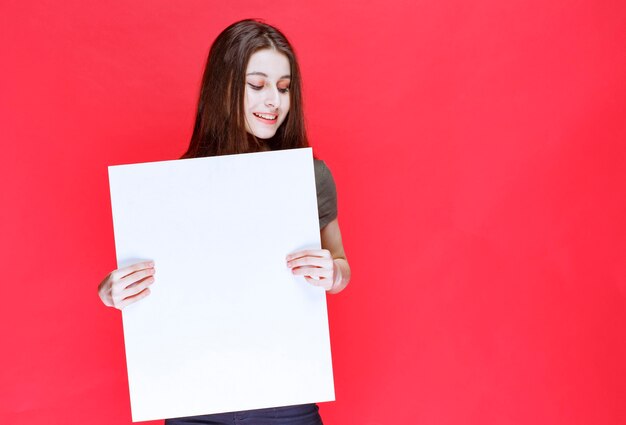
x=266, y=101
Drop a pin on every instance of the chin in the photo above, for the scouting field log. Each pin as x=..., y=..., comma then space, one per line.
x=264, y=134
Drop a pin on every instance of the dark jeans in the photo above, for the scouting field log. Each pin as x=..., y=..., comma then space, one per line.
x=303, y=414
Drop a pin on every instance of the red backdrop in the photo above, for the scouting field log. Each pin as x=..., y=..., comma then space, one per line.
x=478, y=149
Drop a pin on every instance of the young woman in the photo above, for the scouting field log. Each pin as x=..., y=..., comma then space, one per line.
x=251, y=101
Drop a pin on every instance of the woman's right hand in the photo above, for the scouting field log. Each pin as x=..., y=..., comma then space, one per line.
x=127, y=285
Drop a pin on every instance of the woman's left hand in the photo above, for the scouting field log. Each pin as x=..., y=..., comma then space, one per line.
x=316, y=265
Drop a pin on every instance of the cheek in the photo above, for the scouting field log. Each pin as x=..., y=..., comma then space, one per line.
x=287, y=105
x=250, y=99
x=247, y=101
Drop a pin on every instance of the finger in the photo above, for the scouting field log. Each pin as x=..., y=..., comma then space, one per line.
x=311, y=271
x=125, y=271
x=133, y=278
x=323, y=283
x=321, y=253
x=310, y=261
x=133, y=299
x=136, y=288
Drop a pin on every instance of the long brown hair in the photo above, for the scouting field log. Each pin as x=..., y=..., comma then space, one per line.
x=220, y=121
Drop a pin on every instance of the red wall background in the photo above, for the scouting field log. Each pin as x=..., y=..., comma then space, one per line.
x=478, y=149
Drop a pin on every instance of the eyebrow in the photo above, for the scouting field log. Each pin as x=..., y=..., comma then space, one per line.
x=265, y=75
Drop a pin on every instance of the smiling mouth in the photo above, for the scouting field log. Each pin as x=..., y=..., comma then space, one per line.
x=266, y=118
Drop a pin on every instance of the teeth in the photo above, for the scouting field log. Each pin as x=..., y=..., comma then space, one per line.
x=267, y=117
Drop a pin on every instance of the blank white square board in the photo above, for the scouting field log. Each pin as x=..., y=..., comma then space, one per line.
x=227, y=327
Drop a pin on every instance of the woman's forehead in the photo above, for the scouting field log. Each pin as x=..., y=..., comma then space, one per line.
x=269, y=63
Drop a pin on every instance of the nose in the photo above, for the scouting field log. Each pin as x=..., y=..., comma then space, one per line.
x=273, y=97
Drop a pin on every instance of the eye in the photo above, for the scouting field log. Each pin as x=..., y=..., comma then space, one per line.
x=255, y=87
x=285, y=90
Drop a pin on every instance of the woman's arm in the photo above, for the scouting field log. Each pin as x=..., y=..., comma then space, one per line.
x=331, y=240
x=326, y=267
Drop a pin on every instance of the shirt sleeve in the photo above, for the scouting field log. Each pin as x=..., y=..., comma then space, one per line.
x=326, y=193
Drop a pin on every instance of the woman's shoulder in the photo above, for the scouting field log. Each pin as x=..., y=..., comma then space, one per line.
x=326, y=193
x=323, y=176
x=321, y=169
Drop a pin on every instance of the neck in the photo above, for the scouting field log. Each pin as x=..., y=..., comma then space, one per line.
x=259, y=145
